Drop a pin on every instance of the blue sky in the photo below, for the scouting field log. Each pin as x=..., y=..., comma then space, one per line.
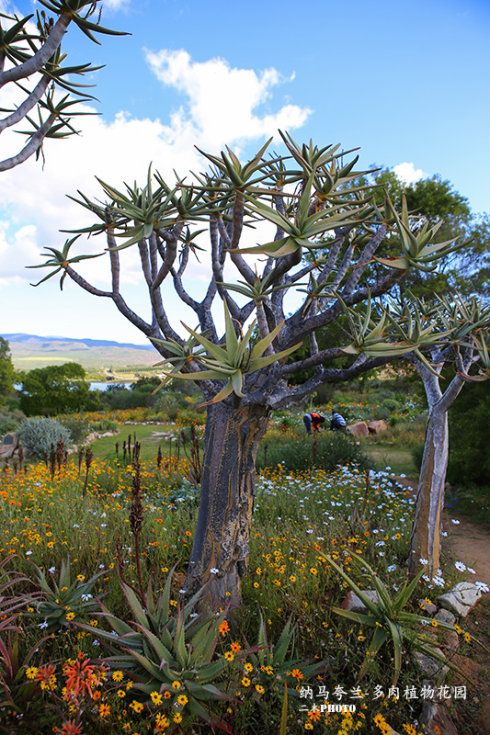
x=407, y=82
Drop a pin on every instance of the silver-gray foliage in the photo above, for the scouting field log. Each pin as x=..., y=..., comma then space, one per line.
x=38, y=435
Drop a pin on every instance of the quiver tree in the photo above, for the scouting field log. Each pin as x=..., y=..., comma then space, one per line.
x=32, y=73
x=466, y=325
x=450, y=333
x=326, y=247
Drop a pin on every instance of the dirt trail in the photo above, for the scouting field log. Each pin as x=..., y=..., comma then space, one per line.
x=470, y=543
x=465, y=541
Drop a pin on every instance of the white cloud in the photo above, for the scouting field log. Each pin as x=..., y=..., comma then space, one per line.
x=116, y=4
x=222, y=100
x=33, y=202
x=21, y=242
x=34, y=199
x=408, y=173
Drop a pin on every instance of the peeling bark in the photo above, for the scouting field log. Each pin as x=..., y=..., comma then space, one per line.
x=222, y=538
x=426, y=540
x=427, y=525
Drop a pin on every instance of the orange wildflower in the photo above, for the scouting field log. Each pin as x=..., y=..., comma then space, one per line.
x=224, y=628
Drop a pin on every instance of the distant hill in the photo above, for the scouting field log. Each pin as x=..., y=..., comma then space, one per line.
x=32, y=351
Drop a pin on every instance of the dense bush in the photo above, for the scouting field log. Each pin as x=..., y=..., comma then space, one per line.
x=10, y=420
x=170, y=403
x=37, y=435
x=296, y=452
x=388, y=406
x=78, y=428
x=417, y=456
x=104, y=425
x=469, y=458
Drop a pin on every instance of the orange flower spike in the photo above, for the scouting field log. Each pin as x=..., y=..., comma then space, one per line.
x=81, y=677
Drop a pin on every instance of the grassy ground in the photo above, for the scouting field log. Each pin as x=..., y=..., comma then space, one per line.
x=149, y=436
x=387, y=454
x=472, y=502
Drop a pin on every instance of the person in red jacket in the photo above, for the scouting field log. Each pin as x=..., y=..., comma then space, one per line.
x=312, y=421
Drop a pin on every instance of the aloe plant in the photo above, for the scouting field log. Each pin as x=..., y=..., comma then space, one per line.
x=59, y=598
x=162, y=646
x=390, y=622
x=277, y=656
x=16, y=694
x=417, y=247
x=230, y=362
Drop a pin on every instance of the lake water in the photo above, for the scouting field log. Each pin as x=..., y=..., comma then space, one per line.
x=105, y=386
x=93, y=386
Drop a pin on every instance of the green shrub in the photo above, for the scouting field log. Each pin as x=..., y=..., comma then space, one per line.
x=469, y=458
x=104, y=425
x=37, y=435
x=325, y=450
x=78, y=428
x=10, y=421
x=417, y=454
x=169, y=404
x=194, y=415
x=387, y=407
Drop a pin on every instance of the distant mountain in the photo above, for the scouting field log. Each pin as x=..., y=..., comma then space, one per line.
x=32, y=351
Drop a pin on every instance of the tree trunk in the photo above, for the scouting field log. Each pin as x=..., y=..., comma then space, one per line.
x=426, y=539
x=427, y=525
x=222, y=540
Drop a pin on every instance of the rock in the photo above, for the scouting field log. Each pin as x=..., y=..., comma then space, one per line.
x=377, y=427
x=449, y=638
x=461, y=598
x=428, y=607
x=435, y=718
x=444, y=616
x=9, y=445
x=359, y=429
x=430, y=666
x=354, y=603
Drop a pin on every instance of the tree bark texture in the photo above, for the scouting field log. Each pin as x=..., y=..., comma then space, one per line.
x=222, y=539
x=427, y=525
x=426, y=533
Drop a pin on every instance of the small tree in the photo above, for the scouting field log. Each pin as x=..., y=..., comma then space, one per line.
x=7, y=372
x=56, y=389
x=31, y=62
x=449, y=332
x=466, y=326
x=323, y=235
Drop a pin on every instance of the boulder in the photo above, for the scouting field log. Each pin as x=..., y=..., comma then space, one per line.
x=358, y=429
x=444, y=616
x=377, y=427
x=430, y=666
x=461, y=598
x=429, y=608
x=9, y=445
x=354, y=603
x=449, y=638
x=435, y=718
